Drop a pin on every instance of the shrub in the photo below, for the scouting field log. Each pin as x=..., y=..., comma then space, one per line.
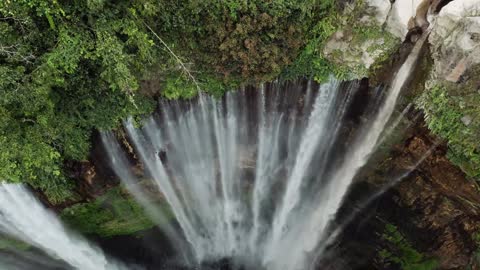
x=443, y=114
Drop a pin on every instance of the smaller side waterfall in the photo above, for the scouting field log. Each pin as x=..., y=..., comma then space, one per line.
x=24, y=218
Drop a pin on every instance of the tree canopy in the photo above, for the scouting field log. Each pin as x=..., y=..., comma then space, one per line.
x=66, y=68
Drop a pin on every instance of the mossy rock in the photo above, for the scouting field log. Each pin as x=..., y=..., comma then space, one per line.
x=452, y=111
x=8, y=243
x=361, y=44
x=114, y=213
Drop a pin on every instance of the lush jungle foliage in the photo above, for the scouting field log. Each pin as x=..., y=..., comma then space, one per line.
x=240, y=38
x=69, y=67
x=66, y=68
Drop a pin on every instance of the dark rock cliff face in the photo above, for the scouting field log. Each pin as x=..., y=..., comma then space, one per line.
x=93, y=177
x=442, y=203
x=434, y=207
x=439, y=203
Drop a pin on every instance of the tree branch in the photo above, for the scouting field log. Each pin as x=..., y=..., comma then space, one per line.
x=175, y=56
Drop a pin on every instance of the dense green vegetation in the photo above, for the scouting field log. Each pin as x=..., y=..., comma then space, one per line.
x=66, y=68
x=253, y=40
x=452, y=112
x=400, y=252
x=114, y=213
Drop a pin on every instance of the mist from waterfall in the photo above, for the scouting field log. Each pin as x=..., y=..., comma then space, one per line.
x=23, y=217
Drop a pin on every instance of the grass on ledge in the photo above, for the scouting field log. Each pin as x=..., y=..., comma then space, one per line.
x=114, y=213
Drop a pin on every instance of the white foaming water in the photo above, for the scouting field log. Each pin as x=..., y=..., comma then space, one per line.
x=23, y=217
x=254, y=177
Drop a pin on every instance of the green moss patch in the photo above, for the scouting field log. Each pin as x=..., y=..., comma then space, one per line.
x=115, y=213
x=8, y=243
x=452, y=111
x=400, y=252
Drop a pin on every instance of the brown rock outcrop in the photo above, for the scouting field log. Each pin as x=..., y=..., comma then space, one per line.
x=442, y=205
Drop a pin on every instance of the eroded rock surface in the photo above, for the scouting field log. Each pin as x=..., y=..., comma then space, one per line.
x=442, y=206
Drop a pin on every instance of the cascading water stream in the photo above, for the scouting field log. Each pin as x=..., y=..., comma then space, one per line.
x=258, y=185
x=330, y=198
x=23, y=217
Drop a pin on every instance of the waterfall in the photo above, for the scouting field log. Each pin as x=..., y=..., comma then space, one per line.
x=23, y=217
x=256, y=176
